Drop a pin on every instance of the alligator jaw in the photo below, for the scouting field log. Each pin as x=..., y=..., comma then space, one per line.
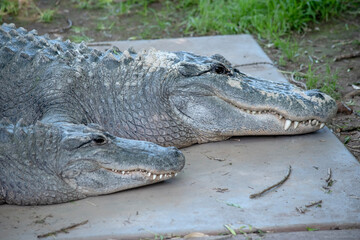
x=149, y=175
x=285, y=121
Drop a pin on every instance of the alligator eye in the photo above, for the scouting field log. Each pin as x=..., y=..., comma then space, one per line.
x=99, y=140
x=220, y=69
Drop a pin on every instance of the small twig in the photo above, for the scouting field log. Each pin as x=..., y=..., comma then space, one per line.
x=301, y=210
x=64, y=29
x=221, y=190
x=347, y=56
x=255, y=195
x=352, y=94
x=354, y=150
x=254, y=63
x=98, y=44
x=354, y=196
x=214, y=158
x=329, y=175
x=64, y=230
x=297, y=73
x=297, y=83
x=304, y=209
x=313, y=204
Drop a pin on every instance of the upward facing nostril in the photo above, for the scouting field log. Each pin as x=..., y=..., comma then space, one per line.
x=317, y=94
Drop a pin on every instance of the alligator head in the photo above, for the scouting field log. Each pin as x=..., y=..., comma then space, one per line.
x=72, y=161
x=208, y=100
x=220, y=101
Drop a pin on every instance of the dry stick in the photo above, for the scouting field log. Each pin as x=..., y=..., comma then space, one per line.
x=65, y=229
x=347, y=56
x=297, y=83
x=352, y=94
x=313, y=204
x=98, y=44
x=255, y=195
x=254, y=63
x=64, y=29
x=354, y=150
x=329, y=175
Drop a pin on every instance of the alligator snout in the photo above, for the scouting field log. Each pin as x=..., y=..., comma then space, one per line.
x=315, y=93
x=175, y=158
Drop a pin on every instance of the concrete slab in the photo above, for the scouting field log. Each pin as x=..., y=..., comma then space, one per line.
x=216, y=183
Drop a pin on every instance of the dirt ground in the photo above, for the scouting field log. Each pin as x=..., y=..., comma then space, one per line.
x=318, y=46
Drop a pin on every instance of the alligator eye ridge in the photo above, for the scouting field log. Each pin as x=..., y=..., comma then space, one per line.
x=100, y=140
x=220, y=69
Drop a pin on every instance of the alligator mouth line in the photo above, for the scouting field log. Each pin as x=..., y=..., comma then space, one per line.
x=148, y=174
x=287, y=122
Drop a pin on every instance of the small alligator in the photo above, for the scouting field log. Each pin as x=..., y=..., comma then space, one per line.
x=168, y=98
x=54, y=163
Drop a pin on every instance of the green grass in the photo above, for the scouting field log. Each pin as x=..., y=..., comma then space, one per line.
x=269, y=19
x=47, y=15
x=8, y=7
x=80, y=38
x=93, y=4
x=327, y=83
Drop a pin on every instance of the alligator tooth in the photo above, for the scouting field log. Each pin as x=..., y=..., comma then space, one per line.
x=296, y=124
x=287, y=124
x=160, y=176
x=123, y=172
x=260, y=112
x=253, y=112
x=314, y=122
x=116, y=170
x=113, y=170
x=280, y=117
x=154, y=177
x=149, y=174
x=175, y=174
x=165, y=175
x=248, y=111
x=322, y=125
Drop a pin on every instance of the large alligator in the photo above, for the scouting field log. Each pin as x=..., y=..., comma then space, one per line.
x=169, y=98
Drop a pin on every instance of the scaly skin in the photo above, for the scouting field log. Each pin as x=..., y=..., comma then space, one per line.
x=172, y=99
x=55, y=163
x=169, y=98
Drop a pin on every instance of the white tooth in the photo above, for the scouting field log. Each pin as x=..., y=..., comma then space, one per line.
x=248, y=111
x=165, y=175
x=260, y=112
x=296, y=124
x=113, y=170
x=322, y=125
x=287, y=124
x=280, y=117
x=309, y=122
x=160, y=176
x=149, y=174
x=123, y=172
x=175, y=174
x=116, y=170
x=313, y=122
x=154, y=176
x=253, y=112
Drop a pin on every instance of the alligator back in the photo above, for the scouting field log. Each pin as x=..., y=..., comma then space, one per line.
x=34, y=71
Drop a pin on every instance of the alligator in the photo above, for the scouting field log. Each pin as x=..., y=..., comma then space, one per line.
x=167, y=98
x=54, y=163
